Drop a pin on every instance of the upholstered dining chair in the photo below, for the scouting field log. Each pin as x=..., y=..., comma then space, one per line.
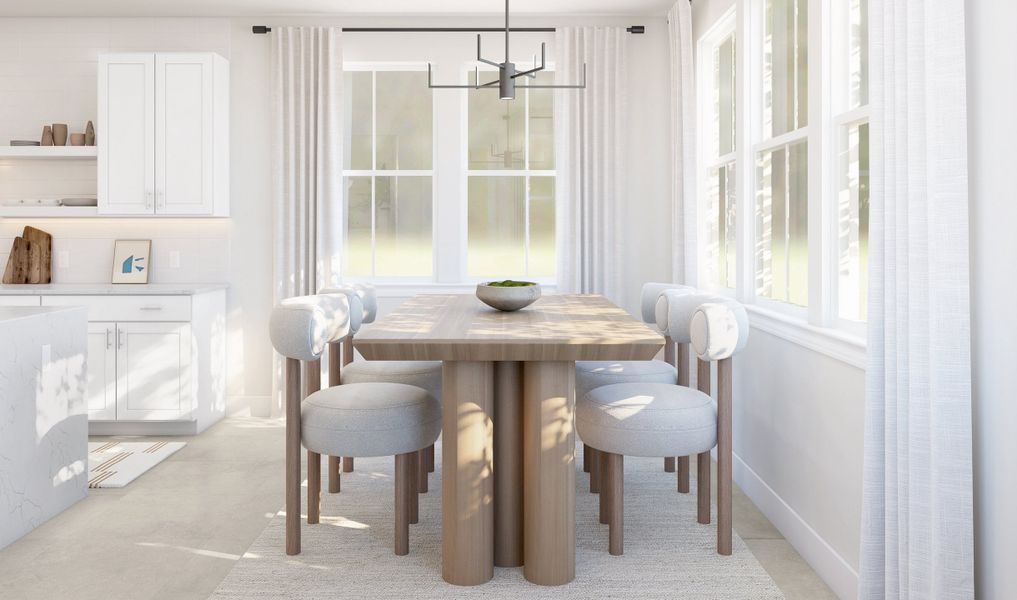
x=673, y=369
x=658, y=419
x=365, y=419
x=424, y=374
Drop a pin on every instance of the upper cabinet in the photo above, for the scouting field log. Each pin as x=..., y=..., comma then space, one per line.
x=163, y=134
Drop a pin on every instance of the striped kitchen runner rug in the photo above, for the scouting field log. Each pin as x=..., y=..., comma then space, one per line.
x=115, y=464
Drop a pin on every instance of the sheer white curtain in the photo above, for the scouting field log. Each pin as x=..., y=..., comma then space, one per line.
x=591, y=157
x=307, y=206
x=683, y=144
x=917, y=523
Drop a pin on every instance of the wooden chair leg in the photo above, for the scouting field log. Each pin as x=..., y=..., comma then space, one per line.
x=669, y=464
x=430, y=458
x=614, y=485
x=594, y=471
x=586, y=457
x=605, y=497
x=422, y=471
x=313, y=487
x=334, y=484
x=683, y=474
x=402, y=503
x=724, y=456
x=347, y=464
x=414, y=504
x=292, y=456
x=703, y=486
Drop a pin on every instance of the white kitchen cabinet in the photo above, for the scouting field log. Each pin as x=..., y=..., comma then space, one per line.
x=155, y=360
x=101, y=385
x=163, y=134
x=153, y=371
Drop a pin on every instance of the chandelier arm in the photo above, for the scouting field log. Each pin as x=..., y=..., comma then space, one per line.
x=482, y=59
x=563, y=86
x=543, y=63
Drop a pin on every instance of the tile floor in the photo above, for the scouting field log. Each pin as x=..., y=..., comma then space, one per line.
x=176, y=531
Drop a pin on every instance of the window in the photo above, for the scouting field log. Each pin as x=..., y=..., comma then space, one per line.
x=782, y=167
x=388, y=175
x=784, y=161
x=851, y=123
x=720, y=210
x=510, y=182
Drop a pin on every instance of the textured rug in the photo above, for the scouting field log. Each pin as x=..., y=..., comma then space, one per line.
x=349, y=554
x=115, y=464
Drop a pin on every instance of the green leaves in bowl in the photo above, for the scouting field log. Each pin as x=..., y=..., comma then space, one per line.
x=509, y=283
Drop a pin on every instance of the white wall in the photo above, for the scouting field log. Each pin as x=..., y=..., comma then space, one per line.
x=48, y=74
x=992, y=130
x=799, y=421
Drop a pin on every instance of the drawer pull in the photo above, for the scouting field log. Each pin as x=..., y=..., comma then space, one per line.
x=109, y=342
x=151, y=308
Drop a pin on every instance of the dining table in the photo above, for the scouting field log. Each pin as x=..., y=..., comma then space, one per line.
x=508, y=431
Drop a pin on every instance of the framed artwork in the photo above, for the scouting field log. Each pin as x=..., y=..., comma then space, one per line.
x=131, y=261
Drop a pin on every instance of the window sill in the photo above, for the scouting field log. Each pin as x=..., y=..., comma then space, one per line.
x=847, y=348
x=408, y=289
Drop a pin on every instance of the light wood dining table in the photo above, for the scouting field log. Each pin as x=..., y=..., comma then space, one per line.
x=508, y=434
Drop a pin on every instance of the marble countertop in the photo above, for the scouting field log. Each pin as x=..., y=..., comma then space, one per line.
x=108, y=289
x=13, y=313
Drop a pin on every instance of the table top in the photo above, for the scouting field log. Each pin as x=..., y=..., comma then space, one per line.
x=461, y=327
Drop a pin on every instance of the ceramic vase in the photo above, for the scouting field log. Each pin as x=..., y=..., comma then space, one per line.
x=59, y=134
x=77, y=139
x=47, y=136
x=89, y=134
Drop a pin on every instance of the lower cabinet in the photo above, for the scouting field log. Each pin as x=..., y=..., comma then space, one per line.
x=139, y=371
x=155, y=362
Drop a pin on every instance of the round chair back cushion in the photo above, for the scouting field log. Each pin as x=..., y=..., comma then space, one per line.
x=301, y=327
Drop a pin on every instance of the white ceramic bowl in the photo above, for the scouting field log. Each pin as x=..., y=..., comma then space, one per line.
x=508, y=299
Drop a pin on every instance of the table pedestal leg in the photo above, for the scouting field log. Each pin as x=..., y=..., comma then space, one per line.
x=467, y=544
x=549, y=492
x=508, y=464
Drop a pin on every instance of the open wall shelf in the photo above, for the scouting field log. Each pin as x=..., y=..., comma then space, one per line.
x=49, y=152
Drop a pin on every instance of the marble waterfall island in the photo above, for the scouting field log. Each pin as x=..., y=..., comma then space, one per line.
x=43, y=419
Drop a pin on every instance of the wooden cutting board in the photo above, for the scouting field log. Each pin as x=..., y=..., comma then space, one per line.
x=40, y=254
x=17, y=262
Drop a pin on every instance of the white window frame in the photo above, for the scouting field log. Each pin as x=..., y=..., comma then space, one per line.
x=816, y=326
x=464, y=71
x=725, y=27
x=373, y=172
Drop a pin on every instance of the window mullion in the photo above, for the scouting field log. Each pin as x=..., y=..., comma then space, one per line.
x=748, y=109
x=822, y=255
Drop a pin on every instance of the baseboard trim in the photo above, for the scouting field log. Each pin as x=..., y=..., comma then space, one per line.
x=830, y=565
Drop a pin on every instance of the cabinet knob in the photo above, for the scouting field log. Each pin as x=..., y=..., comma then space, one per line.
x=148, y=199
x=120, y=338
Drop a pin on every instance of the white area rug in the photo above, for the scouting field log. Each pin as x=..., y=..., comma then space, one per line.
x=115, y=464
x=349, y=554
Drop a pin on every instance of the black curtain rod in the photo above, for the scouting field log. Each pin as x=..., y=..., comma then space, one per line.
x=267, y=29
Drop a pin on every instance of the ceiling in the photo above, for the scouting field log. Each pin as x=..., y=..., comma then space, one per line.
x=239, y=8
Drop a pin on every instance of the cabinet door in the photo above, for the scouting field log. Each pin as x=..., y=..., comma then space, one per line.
x=126, y=133
x=153, y=371
x=184, y=160
x=102, y=372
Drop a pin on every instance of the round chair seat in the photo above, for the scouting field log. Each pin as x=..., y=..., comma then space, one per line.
x=591, y=375
x=370, y=419
x=647, y=419
x=421, y=373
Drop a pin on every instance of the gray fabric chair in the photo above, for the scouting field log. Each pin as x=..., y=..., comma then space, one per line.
x=655, y=419
x=593, y=374
x=364, y=419
x=424, y=374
